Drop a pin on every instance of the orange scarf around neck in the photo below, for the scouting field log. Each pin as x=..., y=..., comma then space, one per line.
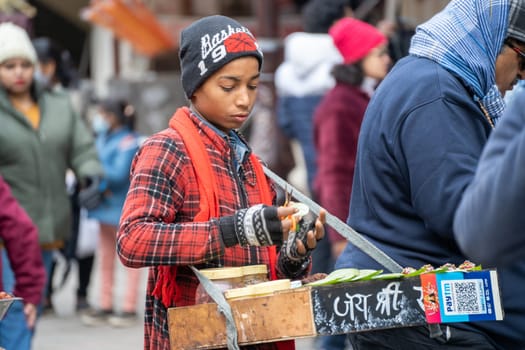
x=166, y=288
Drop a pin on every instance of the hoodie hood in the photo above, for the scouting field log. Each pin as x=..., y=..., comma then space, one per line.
x=308, y=60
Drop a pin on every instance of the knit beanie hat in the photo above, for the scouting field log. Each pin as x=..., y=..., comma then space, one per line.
x=516, y=28
x=355, y=39
x=14, y=42
x=210, y=43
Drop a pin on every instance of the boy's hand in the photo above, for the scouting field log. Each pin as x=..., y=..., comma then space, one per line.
x=259, y=225
x=298, y=245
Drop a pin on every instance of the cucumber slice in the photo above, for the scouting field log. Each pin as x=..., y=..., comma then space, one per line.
x=388, y=276
x=366, y=274
x=302, y=209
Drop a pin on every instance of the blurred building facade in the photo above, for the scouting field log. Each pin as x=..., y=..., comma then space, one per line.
x=114, y=64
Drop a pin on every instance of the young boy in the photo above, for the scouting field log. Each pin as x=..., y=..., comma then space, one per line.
x=197, y=195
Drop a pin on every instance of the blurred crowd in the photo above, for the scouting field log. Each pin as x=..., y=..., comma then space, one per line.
x=70, y=172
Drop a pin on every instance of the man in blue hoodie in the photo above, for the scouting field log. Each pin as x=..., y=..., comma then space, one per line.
x=420, y=141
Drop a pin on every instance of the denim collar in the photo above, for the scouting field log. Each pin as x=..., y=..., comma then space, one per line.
x=239, y=147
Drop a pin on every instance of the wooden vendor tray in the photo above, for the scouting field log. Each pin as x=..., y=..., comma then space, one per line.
x=340, y=308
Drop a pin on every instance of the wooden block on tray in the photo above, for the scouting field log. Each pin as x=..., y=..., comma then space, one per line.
x=280, y=316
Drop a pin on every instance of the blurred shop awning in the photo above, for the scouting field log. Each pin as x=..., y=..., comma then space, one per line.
x=18, y=12
x=131, y=21
x=17, y=6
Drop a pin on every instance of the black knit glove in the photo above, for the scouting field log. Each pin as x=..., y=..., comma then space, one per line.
x=293, y=264
x=255, y=226
x=91, y=192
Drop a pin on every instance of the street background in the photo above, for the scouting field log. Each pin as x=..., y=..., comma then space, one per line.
x=63, y=329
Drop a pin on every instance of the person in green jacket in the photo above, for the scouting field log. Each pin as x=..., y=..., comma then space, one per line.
x=41, y=137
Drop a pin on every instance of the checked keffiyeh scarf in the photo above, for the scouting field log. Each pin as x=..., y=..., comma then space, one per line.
x=466, y=39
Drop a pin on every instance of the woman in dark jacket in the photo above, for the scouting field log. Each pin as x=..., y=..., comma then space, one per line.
x=337, y=120
x=338, y=117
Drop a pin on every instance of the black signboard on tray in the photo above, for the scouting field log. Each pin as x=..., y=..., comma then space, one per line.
x=367, y=305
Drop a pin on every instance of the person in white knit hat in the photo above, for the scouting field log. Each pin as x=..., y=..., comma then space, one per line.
x=14, y=42
x=40, y=138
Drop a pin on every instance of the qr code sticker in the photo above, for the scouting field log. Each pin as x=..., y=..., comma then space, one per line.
x=463, y=297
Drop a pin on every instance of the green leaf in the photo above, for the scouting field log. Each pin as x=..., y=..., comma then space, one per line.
x=388, y=276
x=417, y=272
x=335, y=277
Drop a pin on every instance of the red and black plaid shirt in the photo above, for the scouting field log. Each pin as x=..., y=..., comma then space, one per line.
x=157, y=226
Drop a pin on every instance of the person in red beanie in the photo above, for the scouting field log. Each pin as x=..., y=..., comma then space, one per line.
x=338, y=117
x=20, y=240
x=337, y=120
x=355, y=39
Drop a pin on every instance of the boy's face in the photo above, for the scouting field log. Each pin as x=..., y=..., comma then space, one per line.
x=227, y=97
